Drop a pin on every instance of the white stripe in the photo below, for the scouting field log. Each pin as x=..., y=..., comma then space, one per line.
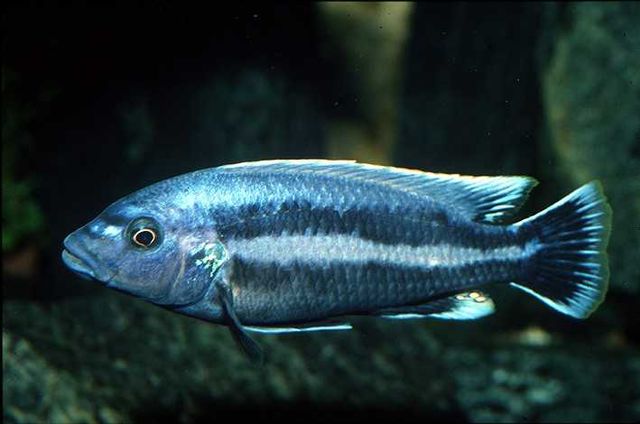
x=281, y=330
x=323, y=249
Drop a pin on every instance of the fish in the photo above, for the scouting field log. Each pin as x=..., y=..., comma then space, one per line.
x=284, y=246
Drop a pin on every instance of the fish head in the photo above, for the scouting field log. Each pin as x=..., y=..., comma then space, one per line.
x=148, y=249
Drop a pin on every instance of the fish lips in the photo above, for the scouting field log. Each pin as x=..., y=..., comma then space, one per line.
x=80, y=261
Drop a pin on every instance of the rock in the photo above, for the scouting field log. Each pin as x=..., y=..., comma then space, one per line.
x=591, y=89
x=34, y=390
x=559, y=383
x=114, y=356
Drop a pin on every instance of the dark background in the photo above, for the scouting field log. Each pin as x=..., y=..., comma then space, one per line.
x=101, y=101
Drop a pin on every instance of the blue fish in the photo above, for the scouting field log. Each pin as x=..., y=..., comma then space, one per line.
x=299, y=245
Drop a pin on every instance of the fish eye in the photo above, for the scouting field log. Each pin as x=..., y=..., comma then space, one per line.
x=144, y=233
x=144, y=237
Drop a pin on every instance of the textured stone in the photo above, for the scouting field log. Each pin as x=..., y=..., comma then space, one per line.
x=591, y=90
x=560, y=383
x=112, y=357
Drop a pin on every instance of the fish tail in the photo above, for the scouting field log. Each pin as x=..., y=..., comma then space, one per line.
x=568, y=268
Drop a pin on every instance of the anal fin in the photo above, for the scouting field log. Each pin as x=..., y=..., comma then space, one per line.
x=461, y=306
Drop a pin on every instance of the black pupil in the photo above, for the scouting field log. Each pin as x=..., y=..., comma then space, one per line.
x=144, y=237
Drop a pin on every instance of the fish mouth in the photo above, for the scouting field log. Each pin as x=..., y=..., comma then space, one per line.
x=81, y=262
x=77, y=265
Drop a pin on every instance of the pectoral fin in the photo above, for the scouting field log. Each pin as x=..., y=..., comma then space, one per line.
x=248, y=345
x=462, y=306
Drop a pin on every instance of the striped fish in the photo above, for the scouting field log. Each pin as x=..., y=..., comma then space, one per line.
x=298, y=245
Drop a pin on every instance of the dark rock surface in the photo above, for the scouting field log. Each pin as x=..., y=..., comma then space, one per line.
x=110, y=358
x=591, y=90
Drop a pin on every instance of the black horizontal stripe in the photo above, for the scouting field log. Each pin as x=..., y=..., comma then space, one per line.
x=411, y=225
x=298, y=292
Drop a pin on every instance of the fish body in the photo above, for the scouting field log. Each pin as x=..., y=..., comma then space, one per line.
x=276, y=246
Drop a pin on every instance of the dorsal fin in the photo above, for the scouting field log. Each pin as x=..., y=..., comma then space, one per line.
x=485, y=199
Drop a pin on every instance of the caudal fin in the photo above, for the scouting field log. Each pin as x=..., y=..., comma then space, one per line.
x=569, y=270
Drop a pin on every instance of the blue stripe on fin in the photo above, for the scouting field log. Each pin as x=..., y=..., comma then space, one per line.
x=462, y=306
x=299, y=329
x=486, y=199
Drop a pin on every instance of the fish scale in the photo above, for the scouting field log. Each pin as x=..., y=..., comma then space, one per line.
x=272, y=246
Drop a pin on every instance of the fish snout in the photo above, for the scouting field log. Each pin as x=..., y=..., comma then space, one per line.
x=78, y=257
